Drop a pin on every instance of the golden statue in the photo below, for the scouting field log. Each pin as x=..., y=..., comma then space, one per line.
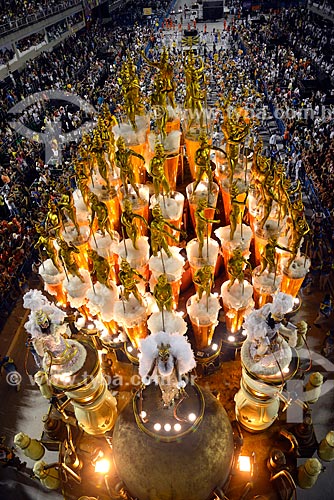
x=203, y=161
x=163, y=294
x=103, y=168
x=82, y=180
x=194, y=74
x=128, y=220
x=66, y=206
x=268, y=256
x=52, y=221
x=101, y=268
x=202, y=224
x=123, y=162
x=100, y=211
x=129, y=278
x=157, y=171
x=204, y=278
x=268, y=196
x=131, y=92
x=66, y=251
x=236, y=266
x=158, y=232
x=166, y=74
x=300, y=228
x=236, y=212
x=159, y=103
x=46, y=241
x=235, y=130
x=107, y=139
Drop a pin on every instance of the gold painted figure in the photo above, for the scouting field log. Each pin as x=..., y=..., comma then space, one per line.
x=268, y=256
x=236, y=212
x=236, y=266
x=300, y=229
x=194, y=75
x=202, y=224
x=131, y=92
x=158, y=232
x=123, y=162
x=46, y=241
x=66, y=206
x=52, y=221
x=82, y=180
x=203, y=161
x=128, y=220
x=129, y=278
x=235, y=131
x=204, y=279
x=101, y=268
x=157, y=171
x=163, y=294
x=66, y=252
x=100, y=210
x=166, y=75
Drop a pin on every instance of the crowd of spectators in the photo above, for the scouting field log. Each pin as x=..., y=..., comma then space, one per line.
x=6, y=54
x=31, y=41
x=15, y=13
x=293, y=86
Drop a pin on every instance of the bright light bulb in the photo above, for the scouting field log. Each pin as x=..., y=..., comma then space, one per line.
x=102, y=466
x=157, y=427
x=214, y=347
x=244, y=463
x=296, y=300
x=143, y=414
x=286, y=370
x=191, y=417
x=167, y=427
x=177, y=427
x=231, y=338
x=130, y=348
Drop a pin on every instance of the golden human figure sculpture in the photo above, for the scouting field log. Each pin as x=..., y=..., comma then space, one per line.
x=82, y=180
x=235, y=130
x=236, y=266
x=204, y=279
x=202, y=224
x=163, y=293
x=268, y=196
x=66, y=251
x=237, y=209
x=100, y=268
x=166, y=74
x=157, y=171
x=194, y=74
x=107, y=138
x=261, y=167
x=203, y=161
x=300, y=229
x=103, y=168
x=158, y=232
x=52, y=221
x=129, y=278
x=268, y=256
x=128, y=220
x=100, y=211
x=123, y=162
x=46, y=241
x=131, y=92
x=67, y=207
x=159, y=105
